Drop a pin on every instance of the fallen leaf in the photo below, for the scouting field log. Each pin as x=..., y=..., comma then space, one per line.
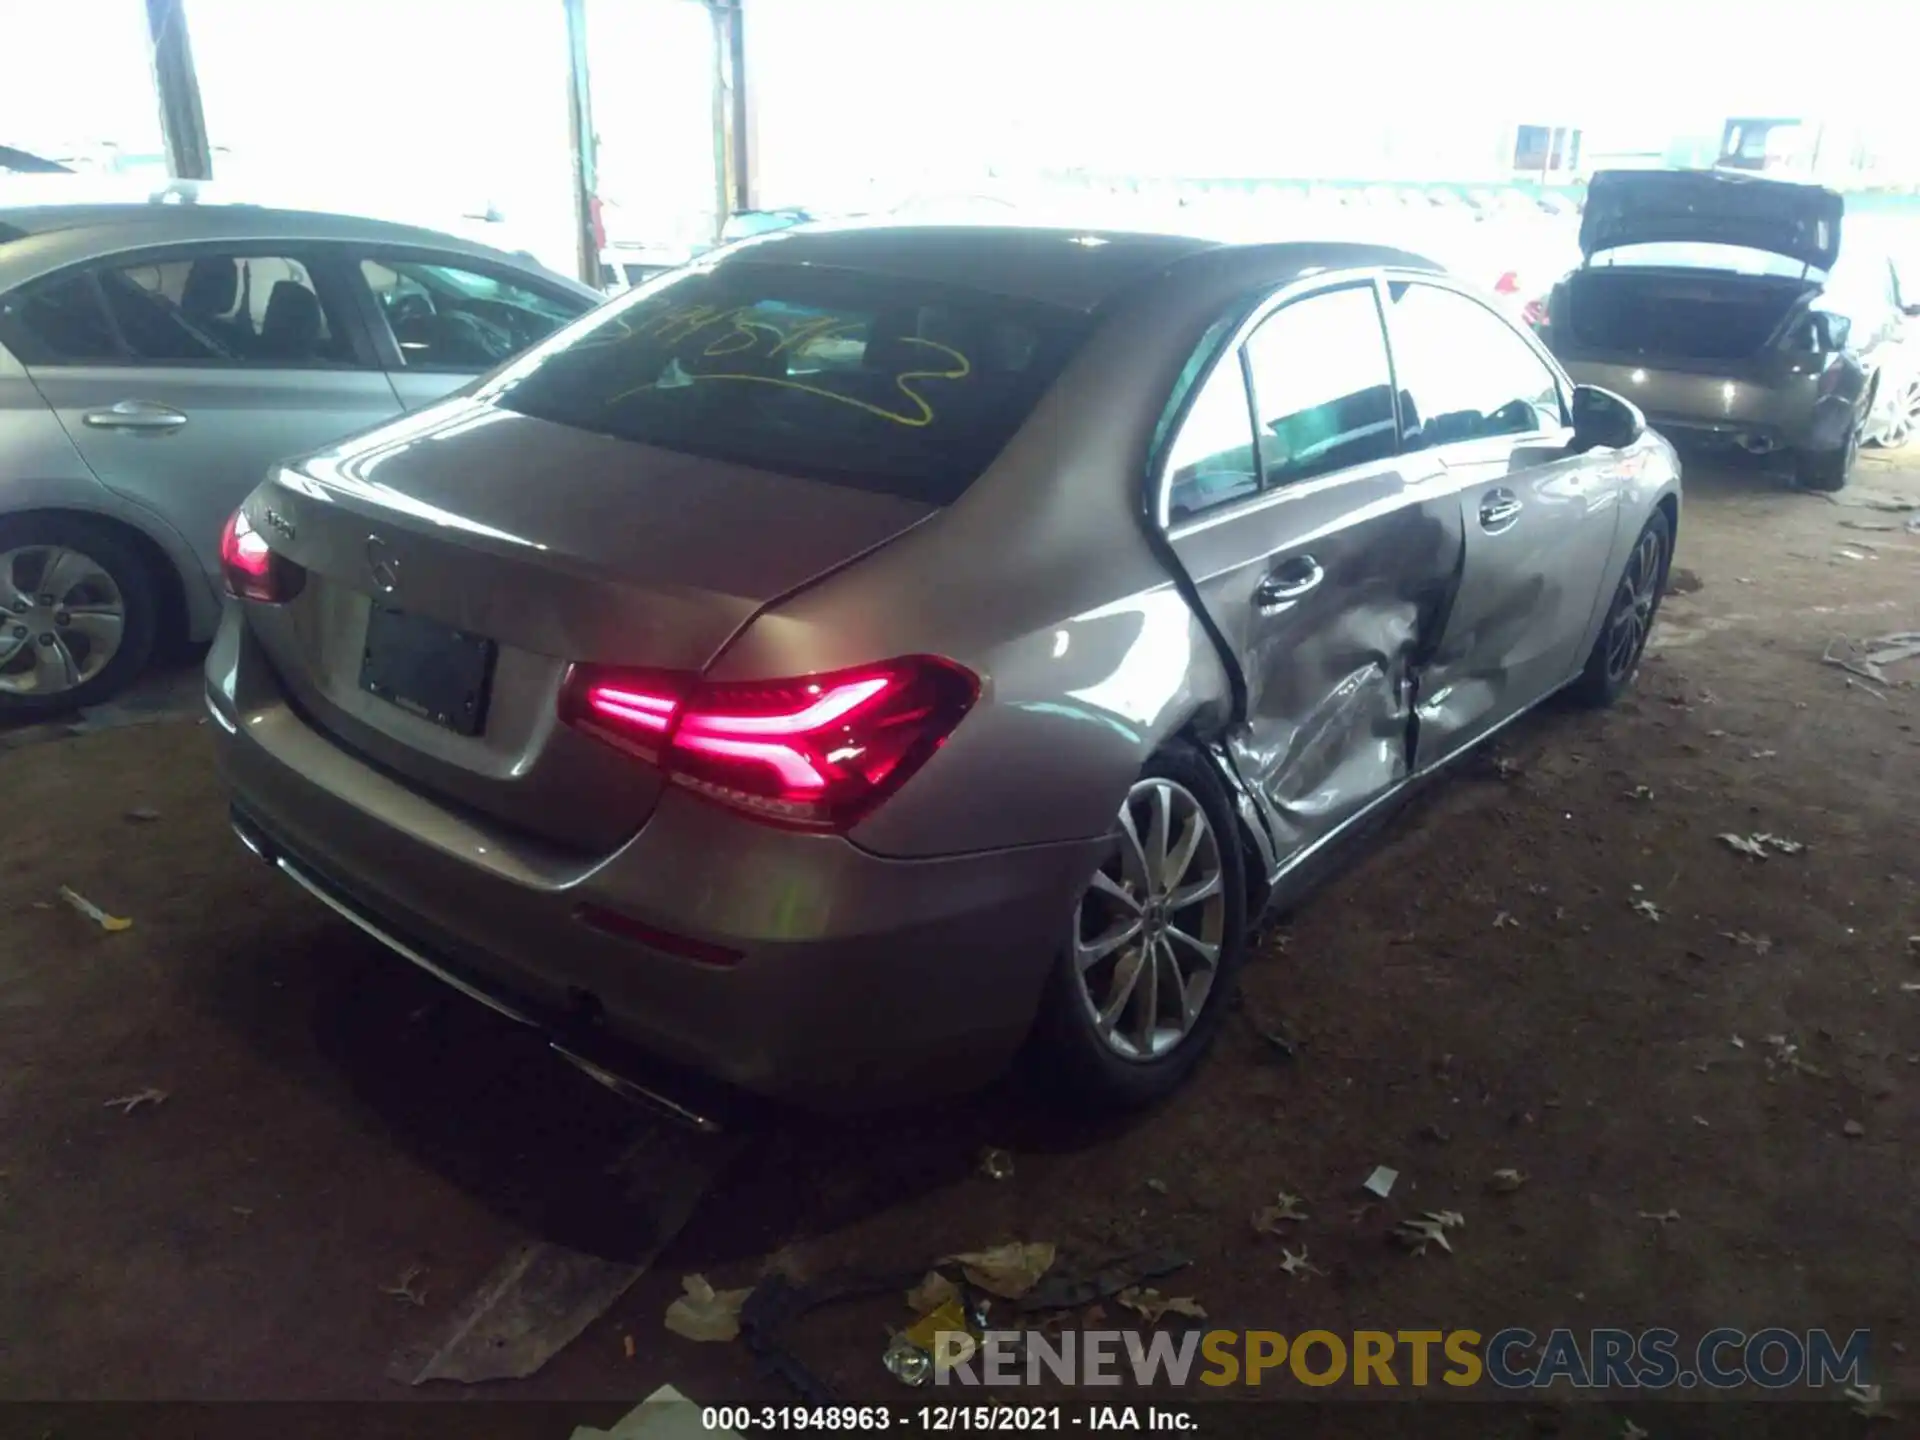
x=1759, y=944
x=1853, y=1129
x=1865, y=1402
x=1159, y=1187
x=1505, y=1182
x=626, y=1344
x=1268, y=1219
x=704, y=1313
x=1746, y=845
x=1008, y=1271
x=1429, y=1229
x=405, y=1289
x=1296, y=1264
x=1665, y=1217
x=1150, y=1305
x=1648, y=909
x=1504, y=921
x=142, y=815
x=931, y=1293
x=130, y=1103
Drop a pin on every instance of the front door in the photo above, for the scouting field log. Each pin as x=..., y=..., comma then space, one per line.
x=1538, y=518
x=183, y=376
x=1323, y=556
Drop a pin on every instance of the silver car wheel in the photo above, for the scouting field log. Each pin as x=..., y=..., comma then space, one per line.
x=1633, y=606
x=1905, y=419
x=1148, y=931
x=61, y=619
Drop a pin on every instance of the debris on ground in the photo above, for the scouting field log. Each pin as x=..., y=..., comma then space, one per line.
x=1063, y=1288
x=931, y=1293
x=1663, y=1217
x=1682, y=581
x=1759, y=844
x=1008, y=1271
x=914, y=1354
x=627, y=1347
x=1506, y=1181
x=127, y=1104
x=143, y=815
x=1158, y=1186
x=704, y=1313
x=92, y=911
x=1503, y=920
x=1865, y=1402
x=996, y=1164
x=1785, y=1055
x=1853, y=1130
x=1296, y=1264
x=1866, y=658
x=666, y=1414
x=1151, y=1305
x=1647, y=908
x=1761, y=754
x=1633, y=1432
x=1433, y=1134
x=1759, y=944
x=1380, y=1182
x=1639, y=792
x=1428, y=1229
x=1285, y=1210
x=408, y=1289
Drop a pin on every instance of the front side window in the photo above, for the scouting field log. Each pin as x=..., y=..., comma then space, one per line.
x=212, y=309
x=1465, y=374
x=906, y=387
x=446, y=317
x=1322, y=390
x=1212, y=460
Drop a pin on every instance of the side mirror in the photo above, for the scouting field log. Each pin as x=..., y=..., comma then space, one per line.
x=1913, y=309
x=1604, y=419
x=1834, y=330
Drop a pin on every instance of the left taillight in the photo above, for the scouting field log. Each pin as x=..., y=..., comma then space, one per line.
x=816, y=753
x=250, y=567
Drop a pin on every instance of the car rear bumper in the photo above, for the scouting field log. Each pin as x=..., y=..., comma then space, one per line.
x=819, y=973
x=1754, y=413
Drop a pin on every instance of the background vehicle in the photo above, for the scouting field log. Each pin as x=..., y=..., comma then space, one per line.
x=810, y=671
x=1716, y=301
x=156, y=357
x=20, y=162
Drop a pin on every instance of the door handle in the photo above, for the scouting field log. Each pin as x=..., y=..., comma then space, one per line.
x=136, y=415
x=1498, y=510
x=1286, y=584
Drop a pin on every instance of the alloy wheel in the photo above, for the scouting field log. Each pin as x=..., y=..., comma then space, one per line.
x=61, y=619
x=1905, y=420
x=1634, y=604
x=1149, y=930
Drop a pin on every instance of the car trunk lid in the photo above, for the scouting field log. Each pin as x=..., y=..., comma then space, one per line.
x=1638, y=207
x=548, y=545
x=1680, y=317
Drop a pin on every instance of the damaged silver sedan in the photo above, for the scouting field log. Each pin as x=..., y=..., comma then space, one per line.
x=1719, y=303
x=832, y=667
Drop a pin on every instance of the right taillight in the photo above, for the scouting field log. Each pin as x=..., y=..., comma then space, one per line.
x=1534, y=313
x=816, y=753
x=251, y=569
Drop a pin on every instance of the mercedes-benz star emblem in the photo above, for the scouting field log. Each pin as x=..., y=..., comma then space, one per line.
x=383, y=565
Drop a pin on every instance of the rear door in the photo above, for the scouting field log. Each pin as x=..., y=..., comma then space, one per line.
x=182, y=374
x=1539, y=519
x=440, y=319
x=1323, y=556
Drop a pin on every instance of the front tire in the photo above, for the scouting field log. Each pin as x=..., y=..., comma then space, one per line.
x=1617, y=650
x=79, y=612
x=1139, y=991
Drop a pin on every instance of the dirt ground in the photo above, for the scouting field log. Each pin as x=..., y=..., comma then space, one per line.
x=1476, y=991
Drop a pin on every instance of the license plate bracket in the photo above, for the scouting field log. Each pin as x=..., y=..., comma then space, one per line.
x=443, y=675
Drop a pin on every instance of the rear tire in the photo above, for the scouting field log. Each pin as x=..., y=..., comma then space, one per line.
x=1622, y=641
x=1827, y=470
x=1135, y=999
x=70, y=652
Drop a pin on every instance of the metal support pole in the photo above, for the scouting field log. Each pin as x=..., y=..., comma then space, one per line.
x=584, y=144
x=746, y=157
x=182, y=122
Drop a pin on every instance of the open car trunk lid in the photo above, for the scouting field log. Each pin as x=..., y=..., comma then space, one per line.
x=540, y=544
x=1664, y=316
x=1639, y=207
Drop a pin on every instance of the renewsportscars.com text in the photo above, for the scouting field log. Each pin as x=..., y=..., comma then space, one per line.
x=1511, y=1359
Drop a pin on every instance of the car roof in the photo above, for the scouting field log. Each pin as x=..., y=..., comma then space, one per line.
x=1076, y=267
x=75, y=220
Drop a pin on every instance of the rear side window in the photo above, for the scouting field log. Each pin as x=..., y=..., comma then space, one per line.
x=212, y=309
x=447, y=317
x=899, y=386
x=1465, y=374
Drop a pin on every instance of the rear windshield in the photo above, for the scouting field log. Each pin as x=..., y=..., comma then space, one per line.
x=897, y=386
